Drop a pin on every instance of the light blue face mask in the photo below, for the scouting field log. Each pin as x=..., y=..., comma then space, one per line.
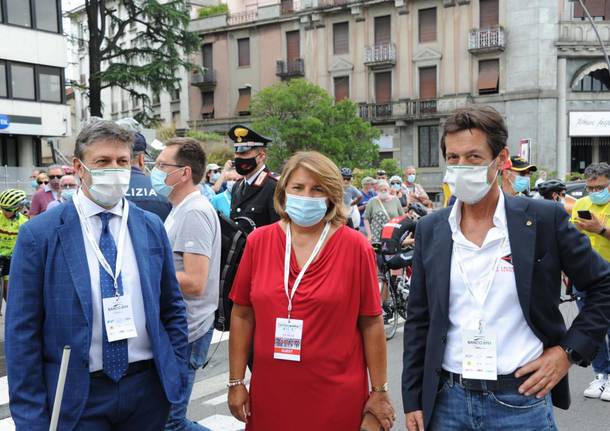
x=411, y=178
x=305, y=211
x=157, y=178
x=35, y=184
x=214, y=177
x=68, y=194
x=520, y=184
x=600, y=198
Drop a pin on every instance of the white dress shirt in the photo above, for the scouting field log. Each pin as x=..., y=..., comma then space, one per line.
x=253, y=178
x=139, y=348
x=502, y=313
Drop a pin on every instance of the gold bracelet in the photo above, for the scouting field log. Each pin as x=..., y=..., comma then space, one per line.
x=382, y=388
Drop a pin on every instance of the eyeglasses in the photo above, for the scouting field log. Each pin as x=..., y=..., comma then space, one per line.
x=160, y=165
x=593, y=189
x=42, y=182
x=55, y=177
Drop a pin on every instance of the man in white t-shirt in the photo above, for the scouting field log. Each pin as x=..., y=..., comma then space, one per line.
x=194, y=234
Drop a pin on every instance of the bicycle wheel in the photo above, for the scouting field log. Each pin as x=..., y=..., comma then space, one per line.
x=390, y=311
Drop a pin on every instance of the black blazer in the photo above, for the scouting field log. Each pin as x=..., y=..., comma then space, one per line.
x=543, y=243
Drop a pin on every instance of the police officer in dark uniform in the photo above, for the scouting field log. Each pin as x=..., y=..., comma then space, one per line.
x=252, y=196
x=140, y=190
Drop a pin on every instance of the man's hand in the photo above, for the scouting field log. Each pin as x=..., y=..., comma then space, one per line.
x=239, y=402
x=409, y=240
x=593, y=225
x=415, y=421
x=380, y=406
x=547, y=371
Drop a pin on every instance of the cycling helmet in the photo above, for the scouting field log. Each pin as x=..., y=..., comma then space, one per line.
x=11, y=199
x=346, y=172
x=547, y=188
x=419, y=209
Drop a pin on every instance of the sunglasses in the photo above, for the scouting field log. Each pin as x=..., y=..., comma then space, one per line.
x=42, y=182
x=394, y=183
x=55, y=177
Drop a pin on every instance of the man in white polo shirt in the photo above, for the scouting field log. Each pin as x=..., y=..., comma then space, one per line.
x=485, y=342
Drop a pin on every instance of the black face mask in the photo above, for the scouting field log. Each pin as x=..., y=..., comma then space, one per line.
x=245, y=166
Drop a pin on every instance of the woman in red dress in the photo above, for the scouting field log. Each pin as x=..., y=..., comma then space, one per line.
x=306, y=302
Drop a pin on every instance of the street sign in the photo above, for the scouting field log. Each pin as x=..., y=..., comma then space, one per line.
x=524, y=148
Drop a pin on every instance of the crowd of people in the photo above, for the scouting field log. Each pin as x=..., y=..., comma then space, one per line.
x=126, y=268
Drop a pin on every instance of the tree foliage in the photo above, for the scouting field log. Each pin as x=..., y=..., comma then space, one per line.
x=140, y=50
x=299, y=115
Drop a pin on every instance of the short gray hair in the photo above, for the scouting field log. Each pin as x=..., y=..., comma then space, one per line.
x=597, y=170
x=381, y=183
x=97, y=130
x=55, y=167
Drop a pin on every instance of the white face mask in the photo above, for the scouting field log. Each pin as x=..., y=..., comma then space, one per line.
x=450, y=180
x=108, y=186
x=471, y=184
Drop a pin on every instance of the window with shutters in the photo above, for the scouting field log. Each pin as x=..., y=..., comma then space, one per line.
x=341, y=88
x=488, y=13
x=243, y=103
x=428, y=147
x=427, y=25
x=427, y=82
x=598, y=9
x=383, y=87
x=489, y=76
x=243, y=52
x=207, y=54
x=341, y=38
x=207, y=105
x=293, y=45
x=383, y=30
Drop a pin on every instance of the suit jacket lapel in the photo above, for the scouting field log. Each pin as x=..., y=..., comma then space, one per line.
x=73, y=246
x=136, y=224
x=442, y=249
x=522, y=235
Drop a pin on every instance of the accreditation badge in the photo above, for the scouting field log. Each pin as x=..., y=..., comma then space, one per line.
x=288, y=337
x=480, y=358
x=118, y=318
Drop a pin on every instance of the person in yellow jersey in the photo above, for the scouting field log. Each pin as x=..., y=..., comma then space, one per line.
x=11, y=202
x=591, y=214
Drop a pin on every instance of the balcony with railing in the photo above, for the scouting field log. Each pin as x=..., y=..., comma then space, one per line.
x=204, y=79
x=382, y=54
x=486, y=40
x=242, y=17
x=286, y=69
x=579, y=34
x=326, y=4
x=401, y=110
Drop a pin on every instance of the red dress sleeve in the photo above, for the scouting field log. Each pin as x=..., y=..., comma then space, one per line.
x=240, y=291
x=370, y=299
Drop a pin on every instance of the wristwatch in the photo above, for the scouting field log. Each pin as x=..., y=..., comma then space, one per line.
x=574, y=357
x=383, y=388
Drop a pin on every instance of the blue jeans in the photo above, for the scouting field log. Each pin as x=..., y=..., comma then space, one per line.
x=198, y=354
x=458, y=409
x=601, y=361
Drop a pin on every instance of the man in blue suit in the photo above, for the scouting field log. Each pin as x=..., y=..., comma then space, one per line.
x=96, y=274
x=485, y=343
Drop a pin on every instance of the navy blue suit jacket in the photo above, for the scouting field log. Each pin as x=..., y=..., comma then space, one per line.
x=49, y=307
x=543, y=243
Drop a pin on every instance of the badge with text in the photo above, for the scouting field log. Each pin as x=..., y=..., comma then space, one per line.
x=480, y=358
x=288, y=336
x=118, y=318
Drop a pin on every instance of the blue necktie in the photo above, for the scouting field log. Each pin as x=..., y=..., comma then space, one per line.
x=115, y=354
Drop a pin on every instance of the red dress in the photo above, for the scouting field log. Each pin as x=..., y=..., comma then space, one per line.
x=328, y=388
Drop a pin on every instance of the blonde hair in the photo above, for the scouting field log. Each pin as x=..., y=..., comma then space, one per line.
x=325, y=173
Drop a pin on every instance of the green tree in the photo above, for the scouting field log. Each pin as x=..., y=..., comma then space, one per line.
x=299, y=115
x=149, y=63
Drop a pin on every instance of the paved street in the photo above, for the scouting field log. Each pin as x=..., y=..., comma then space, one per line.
x=208, y=403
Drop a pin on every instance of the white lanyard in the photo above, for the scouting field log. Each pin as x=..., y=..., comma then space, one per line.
x=315, y=252
x=94, y=243
x=169, y=221
x=480, y=296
